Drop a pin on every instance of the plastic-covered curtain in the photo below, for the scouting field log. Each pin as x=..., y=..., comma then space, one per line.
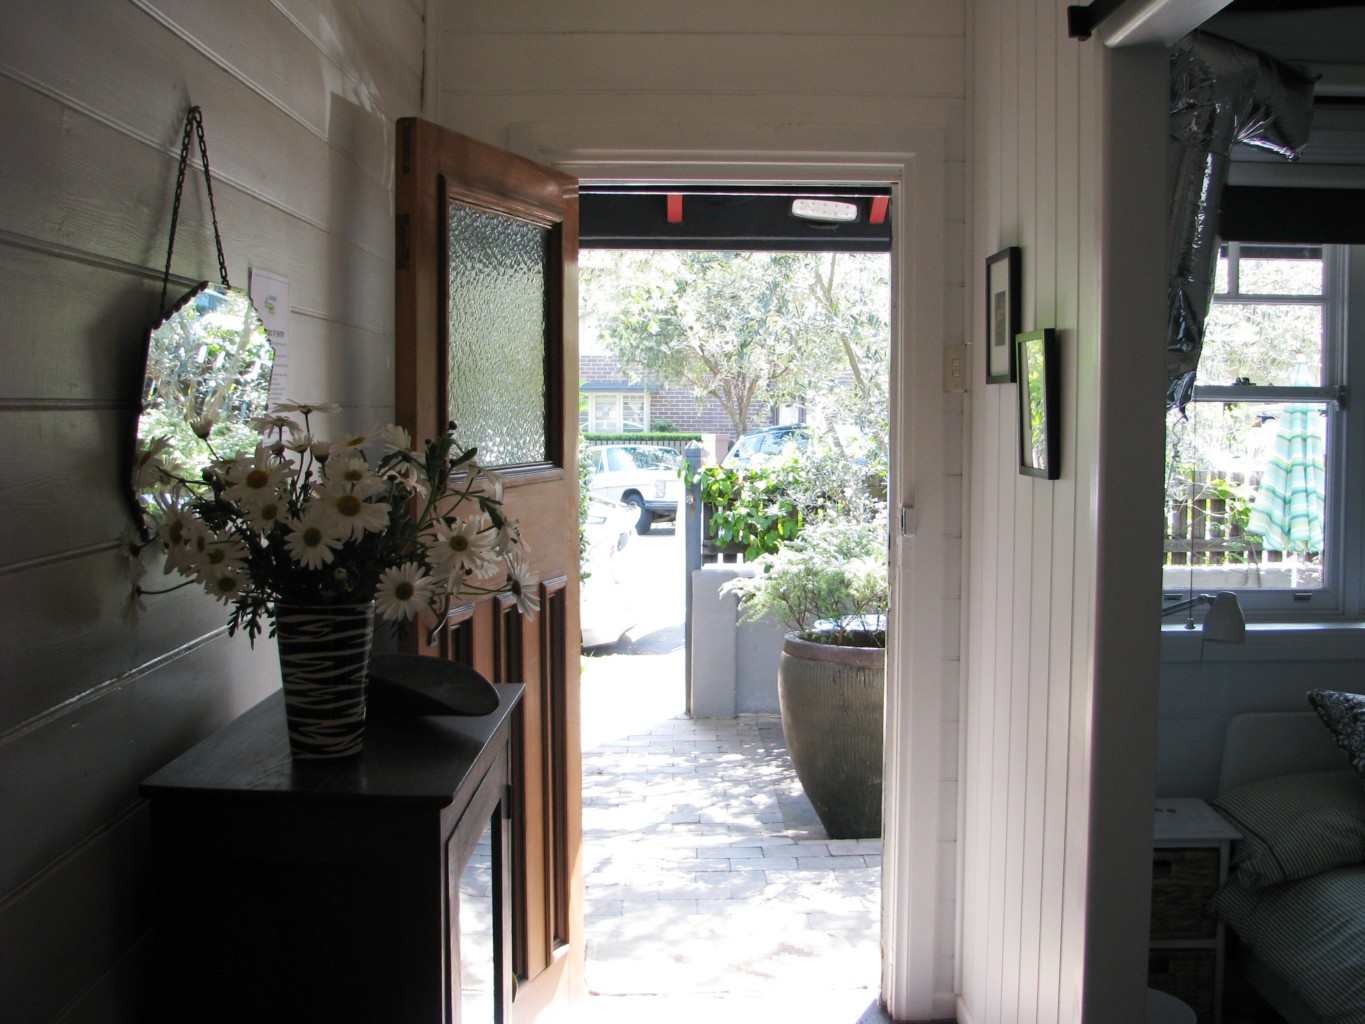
x=1222, y=93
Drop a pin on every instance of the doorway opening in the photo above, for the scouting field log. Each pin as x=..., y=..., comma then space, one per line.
x=808, y=302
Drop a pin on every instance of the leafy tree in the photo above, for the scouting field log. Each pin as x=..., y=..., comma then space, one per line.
x=750, y=329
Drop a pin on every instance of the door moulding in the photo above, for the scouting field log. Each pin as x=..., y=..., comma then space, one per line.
x=912, y=161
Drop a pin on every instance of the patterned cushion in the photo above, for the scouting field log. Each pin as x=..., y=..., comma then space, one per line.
x=1344, y=716
x=1294, y=826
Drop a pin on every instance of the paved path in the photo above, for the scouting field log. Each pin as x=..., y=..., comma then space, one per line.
x=712, y=892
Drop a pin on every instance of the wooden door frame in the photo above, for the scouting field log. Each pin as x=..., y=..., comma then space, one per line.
x=912, y=162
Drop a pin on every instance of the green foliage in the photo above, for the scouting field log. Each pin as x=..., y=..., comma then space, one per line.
x=665, y=426
x=749, y=329
x=669, y=438
x=828, y=586
x=752, y=507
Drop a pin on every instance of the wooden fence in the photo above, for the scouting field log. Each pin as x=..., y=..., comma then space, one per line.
x=1206, y=522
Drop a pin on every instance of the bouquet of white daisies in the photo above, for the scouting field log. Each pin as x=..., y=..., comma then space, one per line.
x=303, y=521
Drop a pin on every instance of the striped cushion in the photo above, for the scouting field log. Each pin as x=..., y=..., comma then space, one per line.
x=1294, y=826
x=1311, y=933
x=1344, y=716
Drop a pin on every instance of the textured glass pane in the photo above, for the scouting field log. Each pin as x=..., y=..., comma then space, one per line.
x=497, y=335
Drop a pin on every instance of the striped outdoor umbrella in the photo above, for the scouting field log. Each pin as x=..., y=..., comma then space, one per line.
x=1287, y=512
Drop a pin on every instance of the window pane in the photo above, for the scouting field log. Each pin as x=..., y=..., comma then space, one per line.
x=1246, y=496
x=1220, y=273
x=497, y=335
x=605, y=417
x=1272, y=270
x=632, y=412
x=1277, y=344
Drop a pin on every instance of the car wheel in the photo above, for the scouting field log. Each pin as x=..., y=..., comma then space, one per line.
x=643, y=518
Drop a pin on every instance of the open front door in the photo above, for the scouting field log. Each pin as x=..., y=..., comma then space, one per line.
x=486, y=310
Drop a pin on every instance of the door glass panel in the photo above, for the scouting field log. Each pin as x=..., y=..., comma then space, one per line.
x=497, y=324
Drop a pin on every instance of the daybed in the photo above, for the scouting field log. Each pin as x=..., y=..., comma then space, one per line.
x=1295, y=900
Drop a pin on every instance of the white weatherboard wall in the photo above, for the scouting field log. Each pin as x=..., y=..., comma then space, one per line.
x=299, y=99
x=1060, y=694
x=654, y=84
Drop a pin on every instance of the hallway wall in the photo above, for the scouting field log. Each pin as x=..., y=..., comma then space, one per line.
x=299, y=98
x=1068, y=164
x=756, y=74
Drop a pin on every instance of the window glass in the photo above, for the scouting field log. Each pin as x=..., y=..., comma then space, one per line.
x=1249, y=481
x=632, y=412
x=1262, y=344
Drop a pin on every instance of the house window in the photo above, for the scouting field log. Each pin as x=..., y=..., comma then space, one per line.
x=615, y=412
x=1256, y=470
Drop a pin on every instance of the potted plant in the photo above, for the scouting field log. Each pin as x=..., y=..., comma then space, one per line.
x=830, y=588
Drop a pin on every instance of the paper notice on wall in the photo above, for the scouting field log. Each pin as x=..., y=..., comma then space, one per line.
x=270, y=295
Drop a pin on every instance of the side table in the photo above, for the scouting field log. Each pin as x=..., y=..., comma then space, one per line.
x=1191, y=850
x=331, y=890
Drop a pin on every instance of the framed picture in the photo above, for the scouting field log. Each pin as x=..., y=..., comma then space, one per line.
x=1039, y=402
x=1003, y=302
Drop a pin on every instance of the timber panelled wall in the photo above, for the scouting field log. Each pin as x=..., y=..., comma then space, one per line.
x=637, y=69
x=1068, y=164
x=299, y=99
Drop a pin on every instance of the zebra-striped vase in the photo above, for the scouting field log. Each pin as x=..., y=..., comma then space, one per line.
x=324, y=662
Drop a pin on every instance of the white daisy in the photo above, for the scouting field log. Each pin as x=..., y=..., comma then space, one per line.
x=508, y=538
x=353, y=471
x=226, y=585
x=130, y=550
x=273, y=423
x=403, y=591
x=179, y=530
x=396, y=439
x=148, y=466
x=356, y=441
x=462, y=546
x=521, y=582
x=312, y=541
x=307, y=408
x=299, y=441
x=408, y=477
x=349, y=512
x=489, y=484
x=257, y=479
x=266, y=514
x=202, y=426
x=133, y=607
x=221, y=555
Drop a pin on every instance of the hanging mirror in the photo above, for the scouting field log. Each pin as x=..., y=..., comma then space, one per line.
x=206, y=377
x=206, y=367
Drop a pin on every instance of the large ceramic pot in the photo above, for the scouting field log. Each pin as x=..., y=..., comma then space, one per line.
x=324, y=664
x=832, y=712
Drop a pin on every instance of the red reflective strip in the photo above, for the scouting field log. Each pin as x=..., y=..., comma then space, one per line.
x=879, y=205
x=674, y=208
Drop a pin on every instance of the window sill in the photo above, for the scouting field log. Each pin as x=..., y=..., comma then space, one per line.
x=1270, y=641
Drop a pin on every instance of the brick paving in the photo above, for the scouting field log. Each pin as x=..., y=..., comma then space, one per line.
x=712, y=892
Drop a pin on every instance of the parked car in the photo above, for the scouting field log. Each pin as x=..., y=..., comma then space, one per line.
x=606, y=608
x=758, y=447
x=645, y=478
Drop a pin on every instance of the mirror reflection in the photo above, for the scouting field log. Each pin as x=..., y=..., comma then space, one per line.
x=208, y=364
x=477, y=968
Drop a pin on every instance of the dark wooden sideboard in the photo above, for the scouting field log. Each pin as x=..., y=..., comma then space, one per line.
x=317, y=891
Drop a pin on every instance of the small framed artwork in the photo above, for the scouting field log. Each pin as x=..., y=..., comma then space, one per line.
x=1004, y=291
x=1039, y=402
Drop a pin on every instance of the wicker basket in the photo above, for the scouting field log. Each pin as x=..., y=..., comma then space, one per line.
x=1187, y=974
x=1183, y=882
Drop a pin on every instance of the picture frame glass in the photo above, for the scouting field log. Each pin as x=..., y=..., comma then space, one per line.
x=1038, y=404
x=1002, y=314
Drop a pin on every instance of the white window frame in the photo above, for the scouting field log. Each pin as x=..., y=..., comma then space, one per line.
x=1342, y=594
x=618, y=397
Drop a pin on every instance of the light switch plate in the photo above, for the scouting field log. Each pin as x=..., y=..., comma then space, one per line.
x=956, y=367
